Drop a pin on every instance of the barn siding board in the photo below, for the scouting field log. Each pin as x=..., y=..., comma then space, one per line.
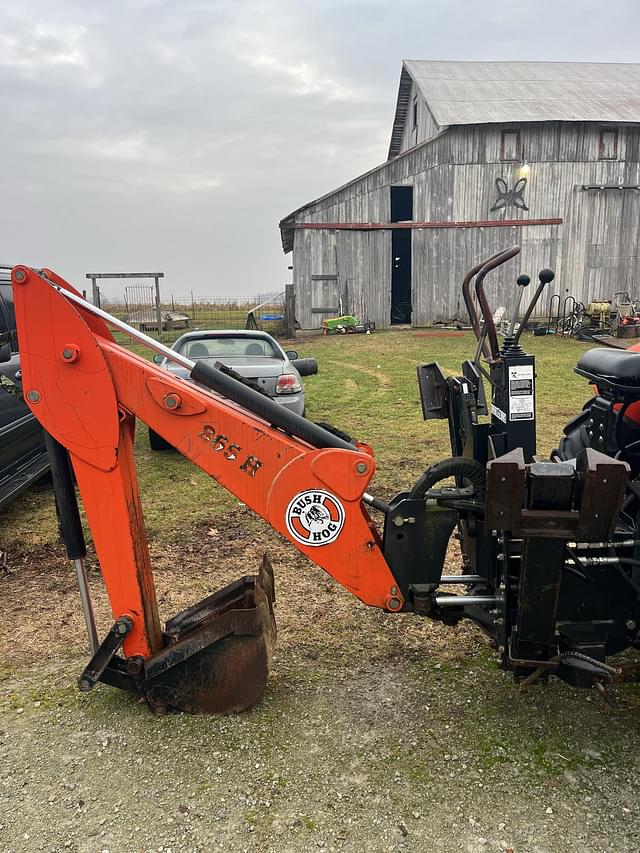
x=426, y=127
x=364, y=259
x=453, y=176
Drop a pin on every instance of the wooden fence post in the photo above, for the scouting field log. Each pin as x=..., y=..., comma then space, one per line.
x=289, y=311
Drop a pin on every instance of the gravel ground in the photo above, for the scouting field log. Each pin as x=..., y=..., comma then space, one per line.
x=373, y=755
x=377, y=732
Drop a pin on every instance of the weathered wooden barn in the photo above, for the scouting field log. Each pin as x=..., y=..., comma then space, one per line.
x=483, y=155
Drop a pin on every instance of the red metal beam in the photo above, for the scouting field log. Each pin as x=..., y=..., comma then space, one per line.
x=382, y=226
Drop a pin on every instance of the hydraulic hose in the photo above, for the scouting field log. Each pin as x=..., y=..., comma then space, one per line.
x=455, y=466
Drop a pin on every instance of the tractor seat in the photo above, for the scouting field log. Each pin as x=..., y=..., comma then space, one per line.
x=618, y=370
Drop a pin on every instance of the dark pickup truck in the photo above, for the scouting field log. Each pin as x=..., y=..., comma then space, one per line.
x=23, y=458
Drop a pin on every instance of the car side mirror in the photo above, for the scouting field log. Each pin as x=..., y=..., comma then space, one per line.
x=5, y=352
x=305, y=366
x=291, y=354
x=158, y=358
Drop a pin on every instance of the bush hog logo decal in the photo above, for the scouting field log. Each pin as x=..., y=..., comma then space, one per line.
x=315, y=518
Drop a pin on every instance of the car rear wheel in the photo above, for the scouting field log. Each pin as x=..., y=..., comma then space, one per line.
x=156, y=442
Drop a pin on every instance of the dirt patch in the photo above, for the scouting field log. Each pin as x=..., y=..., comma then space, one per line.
x=41, y=608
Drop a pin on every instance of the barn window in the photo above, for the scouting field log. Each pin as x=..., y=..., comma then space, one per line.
x=608, y=145
x=415, y=113
x=510, y=145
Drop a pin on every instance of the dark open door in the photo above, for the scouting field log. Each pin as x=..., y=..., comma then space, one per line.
x=401, y=211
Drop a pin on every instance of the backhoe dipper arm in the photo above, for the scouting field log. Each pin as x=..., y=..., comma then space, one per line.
x=86, y=391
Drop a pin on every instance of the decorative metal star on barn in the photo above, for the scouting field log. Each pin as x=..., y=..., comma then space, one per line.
x=507, y=197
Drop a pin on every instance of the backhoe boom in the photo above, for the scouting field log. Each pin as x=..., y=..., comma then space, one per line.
x=87, y=390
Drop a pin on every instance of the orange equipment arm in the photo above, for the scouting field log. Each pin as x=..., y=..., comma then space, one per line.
x=86, y=390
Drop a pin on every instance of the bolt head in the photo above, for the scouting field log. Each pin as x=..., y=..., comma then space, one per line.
x=398, y=520
x=19, y=275
x=630, y=625
x=70, y=353
x=172, y=401
x=134, y=665
x=33, y=396
x=362, y=467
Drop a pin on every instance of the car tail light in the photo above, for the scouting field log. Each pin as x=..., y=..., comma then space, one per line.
x=288, y=384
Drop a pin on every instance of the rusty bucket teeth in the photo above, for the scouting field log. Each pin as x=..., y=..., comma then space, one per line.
x=218, y=656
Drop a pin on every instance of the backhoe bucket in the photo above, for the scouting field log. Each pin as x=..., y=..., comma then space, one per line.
x=219, y=651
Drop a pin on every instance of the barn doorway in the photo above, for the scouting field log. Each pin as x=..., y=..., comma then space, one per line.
x=401, y=211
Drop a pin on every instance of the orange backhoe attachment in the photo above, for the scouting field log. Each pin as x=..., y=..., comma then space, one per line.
x=307, y=483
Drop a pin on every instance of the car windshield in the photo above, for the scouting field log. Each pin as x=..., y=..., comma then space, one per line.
x=229, y=347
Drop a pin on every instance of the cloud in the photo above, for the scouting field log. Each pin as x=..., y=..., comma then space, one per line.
x=302, y=78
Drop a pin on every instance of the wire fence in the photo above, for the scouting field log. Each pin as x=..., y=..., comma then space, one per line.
x=168, y=319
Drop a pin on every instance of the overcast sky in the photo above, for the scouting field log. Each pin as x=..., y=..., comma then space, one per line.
x=173, y=136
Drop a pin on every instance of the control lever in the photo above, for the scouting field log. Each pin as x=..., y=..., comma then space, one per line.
x=522, y=281
x=546, y=276
x=487, y=315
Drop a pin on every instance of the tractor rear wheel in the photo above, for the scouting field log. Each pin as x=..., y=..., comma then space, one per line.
x=576, y=435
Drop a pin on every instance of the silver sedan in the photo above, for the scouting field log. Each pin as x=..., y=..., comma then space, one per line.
x=252, y=354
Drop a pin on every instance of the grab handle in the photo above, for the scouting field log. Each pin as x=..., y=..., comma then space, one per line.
x=487, y=314
x=468, y=301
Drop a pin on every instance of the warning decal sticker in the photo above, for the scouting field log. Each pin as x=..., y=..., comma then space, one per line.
x=521, y=402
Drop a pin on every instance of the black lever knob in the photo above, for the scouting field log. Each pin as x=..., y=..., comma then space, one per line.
x=522, y=281
x=545, y=277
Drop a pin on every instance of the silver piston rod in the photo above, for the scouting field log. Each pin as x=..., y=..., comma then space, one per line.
x=467, y=600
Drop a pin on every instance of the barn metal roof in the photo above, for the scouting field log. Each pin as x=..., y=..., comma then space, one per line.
x=486, y=92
